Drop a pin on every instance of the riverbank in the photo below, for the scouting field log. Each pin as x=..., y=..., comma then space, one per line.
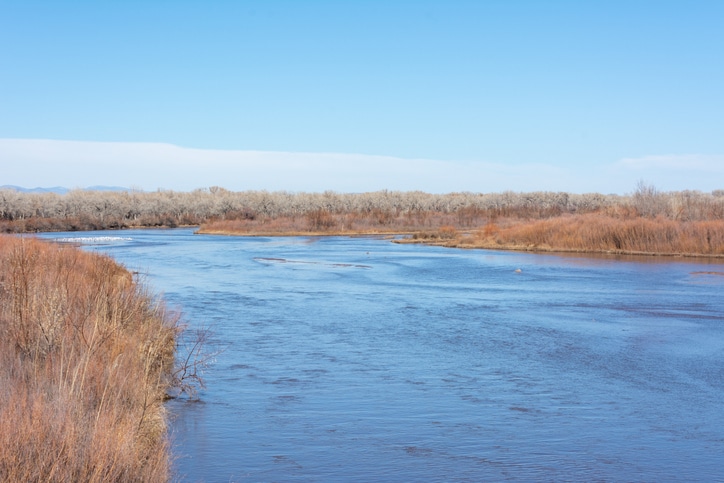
x=598, y=233
x=373, y=212
x=586, y=233
x=86, y=359
x=646, y=222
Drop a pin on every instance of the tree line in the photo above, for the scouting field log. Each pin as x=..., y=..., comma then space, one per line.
x=89, y=210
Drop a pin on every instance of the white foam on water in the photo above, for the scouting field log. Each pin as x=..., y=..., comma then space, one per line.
x=92, y=239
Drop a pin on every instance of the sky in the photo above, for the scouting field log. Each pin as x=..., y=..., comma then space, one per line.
x=353, y=96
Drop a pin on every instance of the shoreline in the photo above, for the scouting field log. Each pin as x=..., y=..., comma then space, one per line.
x=92, y=352
x=553, y=250
x=462, y=243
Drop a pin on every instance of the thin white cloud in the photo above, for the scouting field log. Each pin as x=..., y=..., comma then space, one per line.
x=32, y=162
x=73, y=164
x=679, y=162
x=673, y=172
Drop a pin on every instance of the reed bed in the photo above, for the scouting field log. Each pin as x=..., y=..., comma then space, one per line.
x=604, y=233
x=614, y=230
x=86, y=358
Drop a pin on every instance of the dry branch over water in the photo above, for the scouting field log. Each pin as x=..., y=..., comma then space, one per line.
x=86, y=358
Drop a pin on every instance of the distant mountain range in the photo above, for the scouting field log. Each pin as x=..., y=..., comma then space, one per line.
x=61, y=190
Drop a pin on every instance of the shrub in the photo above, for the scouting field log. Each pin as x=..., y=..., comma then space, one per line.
x=594, y=232
x=86, y=358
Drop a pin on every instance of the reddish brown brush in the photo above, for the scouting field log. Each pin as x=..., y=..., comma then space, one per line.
x=86, y=357
x=601, y=233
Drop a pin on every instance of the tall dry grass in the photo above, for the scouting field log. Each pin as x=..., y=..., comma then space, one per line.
x=86, y=356
x=603, y=233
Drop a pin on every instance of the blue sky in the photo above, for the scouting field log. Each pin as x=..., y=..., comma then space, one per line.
x=363, y=95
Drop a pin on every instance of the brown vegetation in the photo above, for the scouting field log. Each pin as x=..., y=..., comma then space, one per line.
x=602, y=233
x=324, y=222
x=554, y=221
x=91, y=210
x=648, y=221
x=86, y=357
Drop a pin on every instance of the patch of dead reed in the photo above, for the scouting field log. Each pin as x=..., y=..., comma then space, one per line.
x=602, y=233
x=86, y=357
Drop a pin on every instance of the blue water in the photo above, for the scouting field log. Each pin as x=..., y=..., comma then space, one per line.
x=357, y=359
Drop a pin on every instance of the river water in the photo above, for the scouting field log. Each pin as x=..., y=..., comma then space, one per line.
x=357, y=359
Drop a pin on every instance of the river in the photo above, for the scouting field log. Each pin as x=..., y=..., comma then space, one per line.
x=357, y=359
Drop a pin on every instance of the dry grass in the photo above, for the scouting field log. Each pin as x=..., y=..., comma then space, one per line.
x=603, y=233
x=646, y=221
x=618, y=229
x=86, y=356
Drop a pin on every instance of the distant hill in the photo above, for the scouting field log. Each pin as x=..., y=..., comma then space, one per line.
x=108, y=188
x=61, y=190
x=56, y=189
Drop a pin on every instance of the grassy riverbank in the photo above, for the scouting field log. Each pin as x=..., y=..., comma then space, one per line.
x=646, y=221
x=585, y=233
x=590, y=233
x=86, y=358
